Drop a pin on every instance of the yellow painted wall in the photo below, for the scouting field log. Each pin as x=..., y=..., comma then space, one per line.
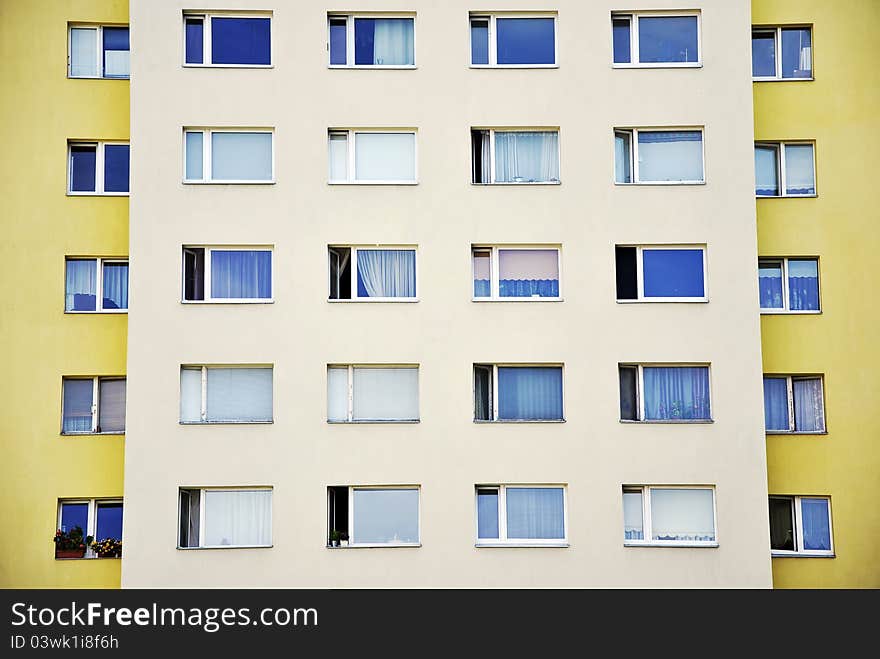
x=839, y=110
x=40, y=109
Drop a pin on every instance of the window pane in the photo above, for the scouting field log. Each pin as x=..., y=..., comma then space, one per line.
x=633, y=526
x=116, y=52
x=82, y=168
x=620, y=28
x=799, y=175
x=535, y=513
x=673, y=272
x=337, y=394
x=238, y=518
x=77, y=415
x=240, y=41
x=483, y=393
x=191, y=394
x=629, y=404
x=479, y=41
x=764, y=54
x=797, y=59
x=487, y=514
x=809, y=410
x=803, y=284
x=115, y=286
x=671, y=155
x=770, y=284
x=526, y=40
x=241, y=156
x=776, y=403
x=190, y=511
x=526, y=157
x=109, y=521
x=383, y=41
x=111, y=410
x=482, y=273
x=627, y=278
x=386, y=516
x=682, y=514
x=80, y=285
x=815, y=521
x=239, y=394
x=385, y=394
x=195, y=49
x=668, y=39
x=83, y=52
x=338, y=157
x=782, y=527
x=766, y=171
x=676, y=392
x=385, y=157
x=528, y=272
x=386, y=273
x=622, y=158
x=116, y=164
x=530, y=393
x=194, y=155
x=338, y=41
x=73, y=515
x=241, y=274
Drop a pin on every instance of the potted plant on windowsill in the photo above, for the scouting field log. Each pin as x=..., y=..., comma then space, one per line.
x=343, y=539
x=107, y=548
x=335, y=536
x=71, y=544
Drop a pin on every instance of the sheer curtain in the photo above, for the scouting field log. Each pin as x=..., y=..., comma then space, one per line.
x=682, y=514
x=393, y=41
x=800, y=179
x=817, y=533
x=770, y=285
x=243, y=274
x=633, y=525
x=680, y=392
x=386, y=272
x=809, y=413
x=535, y=513
x=775, y=404
x=803, y=285
x=115, y=286
x=766, y=174
x=239, y=517
x=487, y=514
x=526, y=157
x=529, y=393
x=81, y=285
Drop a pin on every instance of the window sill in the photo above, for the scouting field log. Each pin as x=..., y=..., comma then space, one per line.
x=374, y=300
x=514, y=183
x=783, y=79
x=677, y=545
x=236, y=301
x=513, y=66
x=499, y=421
x=657, y=65
x=522, y=545
x=226, y=423
x=377, y=546
x=786, y=196
x=225, y=547
x=683, y=300
x=796, y=554
x=115, y=433
x=227, y=66
x=667, y=421
x=783, y=312
x=534, y=298
x=99, y=312
x=656, y=183
x=799, y=433
x=372, y=182
x=373, y=421
x=91, y=558
x=71, y=193
x=197, y=183
x=367, y=67
x=126, y=78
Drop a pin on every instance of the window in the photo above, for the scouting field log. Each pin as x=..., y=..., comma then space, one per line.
x=372, y=274
x=800, y=526
x=372, y=393
x=514, y=156
x=668, y=515
x=513, y=40
x=225, y=517
x=782, y=53
x=785, y=169
x=93, y=405
x=97, y=168
x=521, y=514
x=227, y=40
x=788, y=285
x=664, y=393
x=233, y=274
x=225, y=394
x=661, y=273
x=228, y=155
x=375, y=516
x=794, y=403
x=371, y=41
x=98, y=51
x=655, y=39
x=99, y=518
x=372, y=156
x=95, y=285
x=658, y=156
x=517, y=393
x=515, y=273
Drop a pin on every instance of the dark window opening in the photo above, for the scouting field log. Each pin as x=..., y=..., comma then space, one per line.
x=340, y=273
x=480, y=156
x=629, y=403
x=189, y=518
x=193, y=273
x=627, y=279
x=337, y=508
x=482, y=393
x=782, y=528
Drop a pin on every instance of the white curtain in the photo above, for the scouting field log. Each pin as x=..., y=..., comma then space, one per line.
x=526, y=157
x=766, y=175
x=633, y=526
x=83, y=52
x=241, y=156
x=242, y=517
x=387, y=272
x=393, y=41
x=337, y=393
x=799, y=175
x=81, y=285
x=682, y=514
x=115, y=283
x=111, y=408
x=385, y=156
x=809, y=411
x=191, y=395
x=338, y=157
x=239, y=394
x=385, y=394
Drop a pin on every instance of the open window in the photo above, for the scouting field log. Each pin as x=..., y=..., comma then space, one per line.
x=669, y=515
x=514, y=156
x=660, y=273
x=227, y=40
x=224, y=517
x=664, y=393
x=658, y=155
x=800, y=526
x=517, y=393
x=375, y=274
x=227, y=274
x=515, y=273
x=373, y=516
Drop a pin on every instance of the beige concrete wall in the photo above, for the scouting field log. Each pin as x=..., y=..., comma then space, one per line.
x=445, y=332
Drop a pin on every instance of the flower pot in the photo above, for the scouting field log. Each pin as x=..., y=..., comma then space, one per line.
x=70, y=553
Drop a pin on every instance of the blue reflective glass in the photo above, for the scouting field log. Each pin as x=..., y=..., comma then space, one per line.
x=487, y=513
x=770, y=285
x=82, y=168
x=109, y=522
x=673, y=272
x=797, y=60
x=764, y=54
x=116, y=161
x=803, y=284
x=338, y=41
x=817, y=531
x=535, y=513
x=480, y=41
x=622, y=47
x=241, y=274
x=526, y=40
x=195, y=48
x=668, y=39
x=116, y=38
x=73, y=515
x=530, y=393
x=776, y=404
x=240, y=41
x=676, y=392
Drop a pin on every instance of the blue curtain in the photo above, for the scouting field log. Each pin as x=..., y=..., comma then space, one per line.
x=770, y=285
x=482, y=288
x=194, y=38
x=528, y=287
x=775, y=404
x=809, y=410
x=81, y=285
x=803, y=293
x=677, y=392
x=386, y=273
x=240, y=40
x=487, y=514
x=535, y=513
x=817, y=533
x=526, y=156
x=530, y=392
x=115, y=286
x=525, y=41
x=243, y=274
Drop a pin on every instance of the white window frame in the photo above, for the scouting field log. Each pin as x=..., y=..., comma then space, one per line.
x=632, y=134
x=531, y=129
x=99, y=167
x=351, y=368
x=96, y=404
x=647, y=530
x=354, y=293
x=777, y=44
x=640, y=388
x=92, y=518
x=797, y=518
x=640, y=275
x=789, y=384
x=352, y=542
x=350, y=147
x=494, y=367
x=99, y=36
x=633, y=18
x=209, y=254
x=493, y=40
x=786, y=302
x=350, y=39
x=100, y=262
x=502, y=539
x=203, y=412
x=495, y=279
x=781, y=178
x=207, y=35
x=202, y=499
x=207, y=174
